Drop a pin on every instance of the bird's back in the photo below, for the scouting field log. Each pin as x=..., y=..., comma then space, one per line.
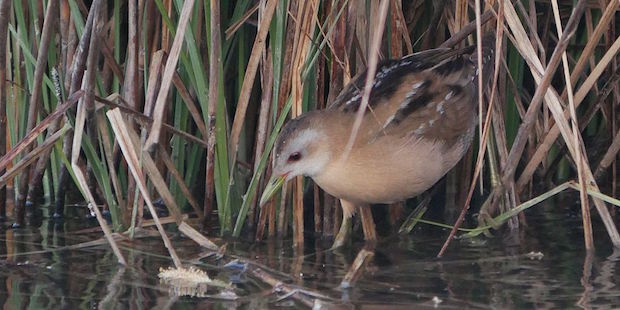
x=420, y=121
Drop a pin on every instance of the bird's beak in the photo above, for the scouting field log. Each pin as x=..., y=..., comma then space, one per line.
x=273, y=186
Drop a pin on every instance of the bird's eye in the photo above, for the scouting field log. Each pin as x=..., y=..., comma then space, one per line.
x=294, y=157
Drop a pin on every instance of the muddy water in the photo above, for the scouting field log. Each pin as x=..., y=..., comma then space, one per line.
x=548, y=268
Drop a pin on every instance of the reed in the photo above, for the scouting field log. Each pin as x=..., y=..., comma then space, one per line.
x=207, y=85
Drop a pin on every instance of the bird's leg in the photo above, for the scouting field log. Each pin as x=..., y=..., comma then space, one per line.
x=348, y=209
x=368, y=224
x=343, y=233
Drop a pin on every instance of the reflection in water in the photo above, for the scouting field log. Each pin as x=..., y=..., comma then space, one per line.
x=40, y=269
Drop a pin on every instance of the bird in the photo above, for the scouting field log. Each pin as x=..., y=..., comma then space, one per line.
x=420, y=121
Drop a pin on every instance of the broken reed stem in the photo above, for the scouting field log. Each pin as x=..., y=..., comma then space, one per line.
x=356, y=269
x=93, y=208
x=166, y=81
x=37, y=130
x=32, y=156
x=199, y=238
x=148, y=121
x=172, y=169
x=88, y=86
x=123, y=137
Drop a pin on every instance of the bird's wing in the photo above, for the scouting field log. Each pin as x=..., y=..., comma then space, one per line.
x=388, y=77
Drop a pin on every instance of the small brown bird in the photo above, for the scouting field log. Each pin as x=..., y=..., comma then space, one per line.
x=420, y=121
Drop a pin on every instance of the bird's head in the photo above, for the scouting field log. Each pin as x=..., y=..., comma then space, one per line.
x=301, y=149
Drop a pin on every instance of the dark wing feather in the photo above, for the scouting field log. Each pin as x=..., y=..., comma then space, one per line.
x=389, y=76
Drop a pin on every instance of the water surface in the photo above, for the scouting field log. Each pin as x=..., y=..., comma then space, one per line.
x=545, y=266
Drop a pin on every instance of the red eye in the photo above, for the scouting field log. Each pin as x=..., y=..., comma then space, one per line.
x=294, y=157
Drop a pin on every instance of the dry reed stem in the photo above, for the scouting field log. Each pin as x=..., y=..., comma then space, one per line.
x=158, y=180
x=174, y=172
x=401, y=25
x=215, y=62
x=467, y=30
x=170, y=69
x=585, y=209
x=190, y=104
x=93, y=208
x=199, y=238
x=145, y=120
x=131, y=82
x=49, y=30
x=37, y=130
x=609, y=156
x=304, y=22
x=31, y=156
x=129, y=93
x=248, y=80
x=5, y=13
x=282, y=225
x=110, y=62
x=368, y=224
x=373, y=60
x=461, y=16
x=280, y=286
x=124, y=140
x=153, y=82
x=553, y=102
x=74, y=80
x=230, y=31
x=477, y=170
x=480, y=86
x=75, y=154
x=109, y=157
x=357, y=267
x=593, y=40
x=523, y=44
x=262, y=128
x=554, y=132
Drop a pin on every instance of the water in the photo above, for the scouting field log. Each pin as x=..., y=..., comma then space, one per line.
x=547, y=269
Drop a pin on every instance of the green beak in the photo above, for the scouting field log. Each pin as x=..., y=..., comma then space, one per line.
x=273, y=186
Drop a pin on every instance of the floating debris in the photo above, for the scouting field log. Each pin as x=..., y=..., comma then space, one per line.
x=535, y=255
x=190, y=281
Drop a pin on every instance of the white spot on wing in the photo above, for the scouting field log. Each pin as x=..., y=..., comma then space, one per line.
x=439, y=108
x=419, y=130
x=388, y=121
x=385, y=71
x=353, y=99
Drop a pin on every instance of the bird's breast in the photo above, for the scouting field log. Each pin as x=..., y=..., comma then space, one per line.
x=388, y=171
